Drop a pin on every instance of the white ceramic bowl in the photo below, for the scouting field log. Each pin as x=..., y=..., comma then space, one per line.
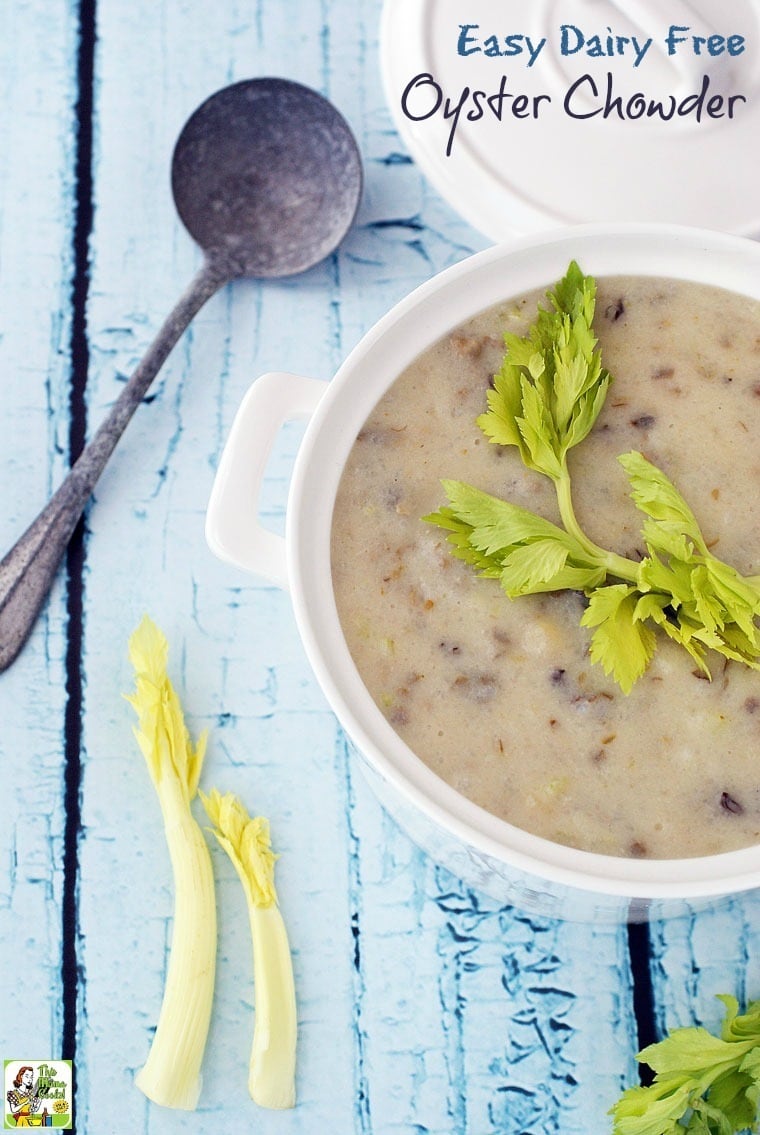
x=492, y=855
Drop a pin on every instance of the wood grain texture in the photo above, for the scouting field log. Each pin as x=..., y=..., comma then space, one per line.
x=37, y=89
x=424, y=1007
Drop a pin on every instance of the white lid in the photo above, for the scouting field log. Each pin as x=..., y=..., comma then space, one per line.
x=523, y=174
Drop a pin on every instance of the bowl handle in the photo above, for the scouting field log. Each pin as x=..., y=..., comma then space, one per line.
x=233, y=529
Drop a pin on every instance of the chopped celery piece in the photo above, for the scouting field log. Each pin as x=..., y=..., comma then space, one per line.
x=271, y=1078
x=171, y=1075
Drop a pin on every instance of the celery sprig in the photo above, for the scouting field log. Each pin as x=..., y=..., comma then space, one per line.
x=545, y=400
x=271, y=1080
x=703, y=1083
x=171, y=1075
x=551, y=385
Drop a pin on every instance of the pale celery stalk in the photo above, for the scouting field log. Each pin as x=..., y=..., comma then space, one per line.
x=171, y=1075
x=271, y=1076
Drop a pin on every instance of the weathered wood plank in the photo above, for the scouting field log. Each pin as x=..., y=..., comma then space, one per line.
x=715, y=950
x=240, y=665
x=37, y=91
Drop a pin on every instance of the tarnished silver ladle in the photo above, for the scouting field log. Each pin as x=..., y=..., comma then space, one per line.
x=266, y=176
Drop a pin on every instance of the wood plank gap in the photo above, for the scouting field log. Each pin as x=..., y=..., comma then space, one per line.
x=639, y=950
x=76, y=552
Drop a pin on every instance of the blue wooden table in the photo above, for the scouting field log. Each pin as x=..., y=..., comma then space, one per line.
x=423, y=1006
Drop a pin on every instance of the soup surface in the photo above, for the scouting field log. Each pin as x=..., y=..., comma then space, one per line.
x=499, y=696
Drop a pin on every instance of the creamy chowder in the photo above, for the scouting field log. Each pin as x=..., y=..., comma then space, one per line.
x=499, y=696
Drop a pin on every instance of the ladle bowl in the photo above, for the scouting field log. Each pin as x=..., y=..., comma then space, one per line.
x=266, y=177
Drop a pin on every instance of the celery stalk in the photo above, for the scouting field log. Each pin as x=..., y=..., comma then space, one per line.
x=171, y=1075
x=271, y=1077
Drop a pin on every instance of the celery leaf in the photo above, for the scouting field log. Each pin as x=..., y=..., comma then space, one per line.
x=621, y=643
x=657, y=496
x=551, y=385
x=703, y=1083
x=524, y=551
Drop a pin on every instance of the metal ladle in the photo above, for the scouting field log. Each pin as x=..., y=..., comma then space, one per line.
x=266, y=176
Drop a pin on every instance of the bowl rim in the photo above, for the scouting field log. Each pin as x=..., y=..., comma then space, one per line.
x=414, y=323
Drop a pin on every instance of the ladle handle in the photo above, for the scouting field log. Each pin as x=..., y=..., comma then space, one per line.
x=28, y=569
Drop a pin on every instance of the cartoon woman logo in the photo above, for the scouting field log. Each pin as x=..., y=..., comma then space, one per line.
x=23, y=1101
